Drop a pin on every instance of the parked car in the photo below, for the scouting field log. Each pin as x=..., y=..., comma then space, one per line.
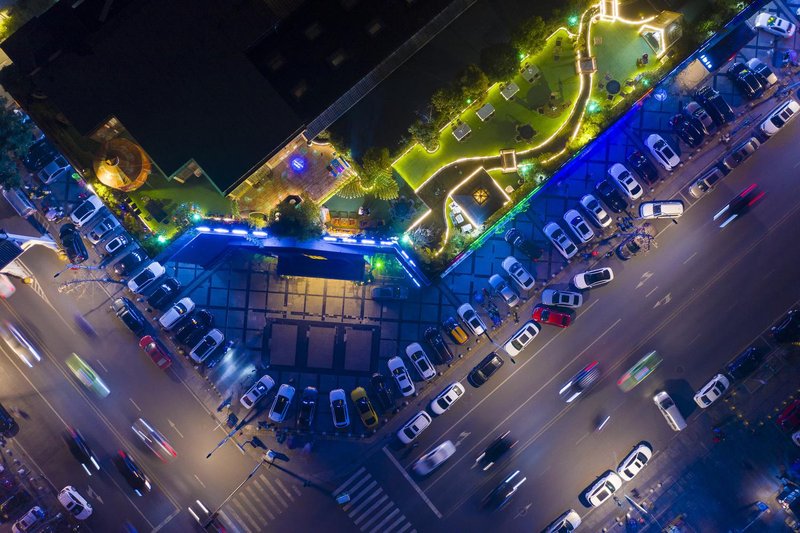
x=129, y=314
x=686, y=130
x=765, y=76
x=501, y=287
x=434, y=458
x=595, y=211
x=485, y=369
x=206, y=346
x=580, y=382
x=102, y=229
x=779, y=117
x=445, y=399
x=455, y=330
x=55, y=169
x=566, y=523
x=39, y=154
x=560, y=240
x=789, y=418
x=788, y=329
x=74, y=503
x=308, y=406
x=72, y=243
x=625, y=181
x=661, y=209
x=86, y=211
x=8, y=426
x=775, y=25
x=157, y=351
x=257, y=391
x=502, y=494
x=545, y=315
x=133, y=474
x=440, y=349
x=15, y=505
x=746, y=81
x=635, y=461
x=631, y=246
x=382, y=390
x=739, y=205
x=400, y=374
x=281, y=403
x=700, y=116
x=420, y=360
x=642, y=166
x=603, y=489
x=515, y=238
x=390, y=293
x=518, y=273
x=593, y=278
x=164, y=293
x=711, y=391
x=611, y=196
x=670, y=411
x=715, y=105
x=471, y=319
x=364, y=407
x=29, y=520
x=117, y=244
x=492, y=454
x=662, y=152
x=558, y=298
x=139, y=283
x=705, y=182
x=745, y=363
x=523, y=337
x=130, y=262
x=341, y=418
x=411, y=429
x=176, y=313
x=578, y=226
x=194, y=327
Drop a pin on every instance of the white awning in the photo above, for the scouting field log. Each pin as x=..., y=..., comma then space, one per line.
x=509, y=90
x=485, y=112
x=462, y=131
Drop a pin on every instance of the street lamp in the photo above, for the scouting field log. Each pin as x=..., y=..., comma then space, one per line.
x=77, y=267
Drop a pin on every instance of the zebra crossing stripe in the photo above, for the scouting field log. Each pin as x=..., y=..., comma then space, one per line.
x=363, y=504
x=275, y=492
x=344, y=485
x=355, y=497
x=377, y=515
x=288, y=495
x=388, y=517
x=366, y=513
x=395, y=524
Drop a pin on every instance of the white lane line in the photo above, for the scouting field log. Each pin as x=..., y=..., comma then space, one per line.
x=369, y=511
x=198, y=480
x=236, y=522
x=166, y=521
x=651, y=292
x=283, y=488
x=354, y=498
x=408, y=525
x=266, y=499
x=357, y=487
x=134, y=404
x=296, y=490
x=796, y=165
x=411, y=481
x=586, y=309
x=275, y=492
x=100, y=363
x=343, y=485
x=171, y=423
x=689, y=258
x=396, y=523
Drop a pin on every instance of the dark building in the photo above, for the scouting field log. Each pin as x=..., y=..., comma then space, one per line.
x=212, y=88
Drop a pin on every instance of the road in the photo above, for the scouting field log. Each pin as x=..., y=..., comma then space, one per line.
x=699, y=299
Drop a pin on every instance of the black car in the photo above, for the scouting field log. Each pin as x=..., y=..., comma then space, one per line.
x=195, y=327
x=788, y=329
x=81, y=451
x=39, y=155
x=611, y=196
x=8, y=426
x=739, y=205
x=16, y=505
x=746, y=80
x=134, y=475
x=745, y=363
x=495, y=451
x=502, y=494
x=383, y=392
x=715, y=105
x=580, y=382
x=164, y=294
x=485, y=369
x=515, y=238
x=643, y=166
x=128, y=264
x=630, y=246
x=440, y=348
x=688, y=132
x=129, y=314
x=308, y=406
x=73, y=244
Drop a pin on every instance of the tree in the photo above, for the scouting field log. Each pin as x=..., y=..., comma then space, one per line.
x=301, y=221
x=472, y=83
x=447, y=103
x=499, y=61
x=16, y=138
x=426, y=134
x=373, y=176
x=530, y=36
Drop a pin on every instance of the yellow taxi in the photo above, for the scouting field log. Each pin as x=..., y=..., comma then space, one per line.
x=364, y=407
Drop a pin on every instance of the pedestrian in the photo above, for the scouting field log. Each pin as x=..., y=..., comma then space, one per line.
x=516, y=317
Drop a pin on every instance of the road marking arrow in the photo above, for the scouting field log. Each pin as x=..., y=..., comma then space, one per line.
x=461, y=436
x=645, y=277
x=665, y=300
x=171, y=423
x=90, y=491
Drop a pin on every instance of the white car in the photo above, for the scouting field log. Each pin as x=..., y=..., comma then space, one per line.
x=560, y=240
x=400, y=374
x=471, y=319
x=557, y=298
x=662, y=152
x=762, y=71
x=74, y=503
x=341, y=417
x=86, y=211
x=431, y=460
x=257, y=391
x=595, y=210
x=625, y=181
x=53, y=169
x=566, y=523
x=207, y=345
x=116, y=244
x=635, y=461
x=447, y=398
x=712, y=391
x=29, y=520
x=19, y=344
x=661, y=209
x=143, y=279
x=517, y=272
x=593, y=278
x=420, y=360
x=176, y=313
x=603, y=489
x=774, y=25
x=500, y=286
x=578, y=226
x=281, y=403
x=796, y=438
x=522, y=338
x=414, y=427
x=779, y=117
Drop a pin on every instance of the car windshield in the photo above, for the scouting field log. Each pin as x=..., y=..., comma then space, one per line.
x=280, y=405
x=84, y=209
x=423, y=364
x=362, y=406
x=778, y=121
x=667, y=151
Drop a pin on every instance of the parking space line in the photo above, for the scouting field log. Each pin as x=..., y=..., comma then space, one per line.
x=411, y=481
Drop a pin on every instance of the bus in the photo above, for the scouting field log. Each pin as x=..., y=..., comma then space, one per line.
x=639, y=371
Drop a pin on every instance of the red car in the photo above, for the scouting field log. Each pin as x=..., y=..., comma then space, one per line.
x=545, y=315
x=157, y=352
x=789, y=419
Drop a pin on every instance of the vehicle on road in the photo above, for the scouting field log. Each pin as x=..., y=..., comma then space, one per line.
x=158, y=353
x=133, y=474
x=420, y=360
x=434, y=458
x=492, y=454
x=440, y=348
x=788, y=329
x=139, y=283
x=470, y=317
x=662, y=152
x=559, y=239
x=308, y=406
x=559, y=298
x=176, y=313
x=390, y=293
x=661, y=209
x=578, y=226
x=546, y=315
x=687, y=130
x=364, y=407
x=670, y=411
x=595, y=211
x=611, y=196
x=74, y=503
x=81, y=451
x=518, y=273
x=625, y=181
x=715, y=105
x=485, y=369
x=400, y=374
x=206, y=346
x=87, y=376
x=257, y=391
x=643, y=368
x=86, y=211
x=603, y=489
x=155, y=441
x=593, y=278
x=445, y=399
x=383, y=392
x=502, y=494
x=580, y=382
x=779, y=117
x=739, y=205
x=341, y=418
x=455, y=330
x=711, y=391
x=523, y=337
x=566, y=523
x=642, y=166
x=635, y=461
x=411, y=429
x=73, y=244
x=775, y=25
x=281, y=403
x=746, y=81
x=102, y=229
x=19, y=344
x=705, y=182
x=736, y=157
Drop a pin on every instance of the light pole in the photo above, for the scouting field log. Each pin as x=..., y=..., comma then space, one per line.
x=644, y=511
x=77, y=267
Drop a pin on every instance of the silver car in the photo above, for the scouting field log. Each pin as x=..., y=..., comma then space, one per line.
x=563, y=244
x=558, y=298
x=500, y=286
x=595, y=211
x=578, y=226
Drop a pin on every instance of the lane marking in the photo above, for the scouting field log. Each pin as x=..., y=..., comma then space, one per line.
x=651, y=292
x=167, y=520
x=199, y=481
x=134, y=404
x=646, y=276
x=172, y=424
x=689, y=258
x=411, y=481
x=99, y=362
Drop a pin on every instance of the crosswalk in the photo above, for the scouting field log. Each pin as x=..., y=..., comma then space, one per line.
x=261, y=501
x=370, y=507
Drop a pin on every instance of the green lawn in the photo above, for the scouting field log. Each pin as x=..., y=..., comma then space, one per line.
x=488, y=138
x=617, y=53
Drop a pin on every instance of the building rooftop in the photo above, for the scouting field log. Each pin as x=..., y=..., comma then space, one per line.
x=479, y=196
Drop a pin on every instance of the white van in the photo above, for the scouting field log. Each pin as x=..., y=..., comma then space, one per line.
x=19, y=201
x=661, y=209
x=779, y=116
x=670, y=411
